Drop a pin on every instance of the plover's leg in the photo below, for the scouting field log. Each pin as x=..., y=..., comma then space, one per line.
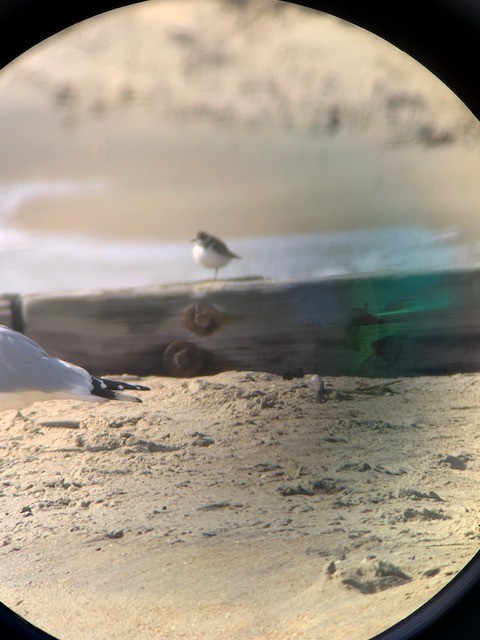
x=215, y=276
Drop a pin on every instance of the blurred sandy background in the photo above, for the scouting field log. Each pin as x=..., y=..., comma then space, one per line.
x=246, y=118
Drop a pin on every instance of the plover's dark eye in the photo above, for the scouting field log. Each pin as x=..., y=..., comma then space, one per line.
x=274, y=214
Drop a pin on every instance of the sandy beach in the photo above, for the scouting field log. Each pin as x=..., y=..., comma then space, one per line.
x=239, y=505
x=236, y=506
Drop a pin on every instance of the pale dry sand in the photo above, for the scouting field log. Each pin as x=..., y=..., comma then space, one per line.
x=256, y=184
x=239, y=506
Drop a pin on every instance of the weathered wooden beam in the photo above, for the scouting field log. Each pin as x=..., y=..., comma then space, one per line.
x=11, y=311
x=391, y=325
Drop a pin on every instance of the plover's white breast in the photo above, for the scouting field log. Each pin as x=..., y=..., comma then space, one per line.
x=208, y=257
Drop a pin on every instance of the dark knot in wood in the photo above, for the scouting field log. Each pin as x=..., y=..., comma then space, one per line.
x=202, y=319
x=183, y=359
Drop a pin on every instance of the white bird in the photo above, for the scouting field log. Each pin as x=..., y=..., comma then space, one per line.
x=211, y=252
x=28, y=374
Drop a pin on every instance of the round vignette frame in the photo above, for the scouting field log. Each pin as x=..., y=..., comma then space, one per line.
x=444, y=36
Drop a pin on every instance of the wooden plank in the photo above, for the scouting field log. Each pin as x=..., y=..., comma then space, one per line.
x=390, y=325
x=10, y=311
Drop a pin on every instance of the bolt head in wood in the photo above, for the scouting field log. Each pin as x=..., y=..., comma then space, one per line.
x=183, y=359
x=202, y=319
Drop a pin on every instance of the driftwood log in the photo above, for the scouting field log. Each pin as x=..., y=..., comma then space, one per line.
x=422, y=324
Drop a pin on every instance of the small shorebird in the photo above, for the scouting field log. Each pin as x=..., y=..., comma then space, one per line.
x=211, y=252
x=28, y=374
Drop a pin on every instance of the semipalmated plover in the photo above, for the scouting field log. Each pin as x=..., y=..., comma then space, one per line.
x=211, y=252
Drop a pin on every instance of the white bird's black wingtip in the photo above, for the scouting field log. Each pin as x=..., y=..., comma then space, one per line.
x=113, y=389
